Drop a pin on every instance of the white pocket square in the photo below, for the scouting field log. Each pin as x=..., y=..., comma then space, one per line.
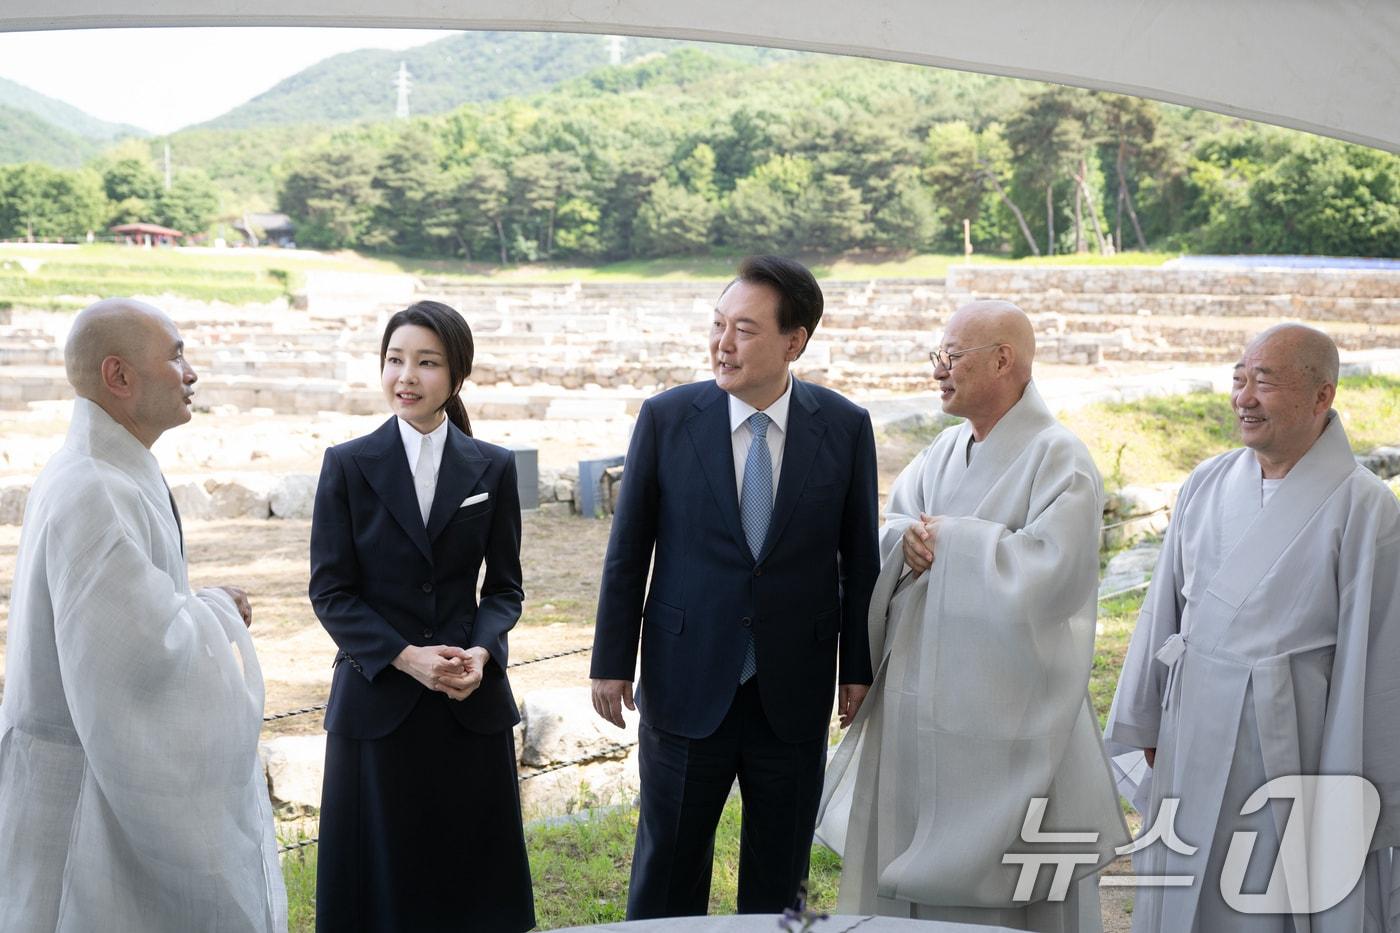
x=473, y=500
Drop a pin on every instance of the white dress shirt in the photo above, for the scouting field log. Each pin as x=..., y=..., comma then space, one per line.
x=741, y=435
x=413, y=441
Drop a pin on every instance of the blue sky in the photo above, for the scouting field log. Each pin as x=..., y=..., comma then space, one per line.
x=211, y=70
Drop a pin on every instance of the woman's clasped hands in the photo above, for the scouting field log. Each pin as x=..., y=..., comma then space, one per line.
x=447, y=669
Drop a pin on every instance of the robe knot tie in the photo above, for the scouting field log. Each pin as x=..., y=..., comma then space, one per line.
x=1170, y=654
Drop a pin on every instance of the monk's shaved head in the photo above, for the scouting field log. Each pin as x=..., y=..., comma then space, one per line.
x=990, y=322
x=1311, y=349
x=1283, y=389
x=115, y=327
x=984, y=364
x=127, y=358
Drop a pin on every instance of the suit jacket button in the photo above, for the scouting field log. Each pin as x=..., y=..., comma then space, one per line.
x=427, y=587
x=746, y=622
x=758, y=571
x=427, y=633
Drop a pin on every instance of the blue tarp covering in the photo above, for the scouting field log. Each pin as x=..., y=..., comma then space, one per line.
x=1284, y=262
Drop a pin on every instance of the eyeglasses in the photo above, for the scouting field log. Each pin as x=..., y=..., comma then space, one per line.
x=944, y=359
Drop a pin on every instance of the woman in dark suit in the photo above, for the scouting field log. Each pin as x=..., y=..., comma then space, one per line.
x=420, y=809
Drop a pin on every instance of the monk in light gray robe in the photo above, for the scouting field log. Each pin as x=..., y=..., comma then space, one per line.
x=982, y=627
x=1269, y=647
x=132, y=799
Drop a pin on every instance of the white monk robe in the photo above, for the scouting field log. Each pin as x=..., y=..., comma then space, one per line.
x=980, y=700
x=1268, y=645
x=131, y=795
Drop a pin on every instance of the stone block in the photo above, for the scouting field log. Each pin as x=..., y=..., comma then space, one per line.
x=294, y=765
x=612, y=484
x=1139, y=559
x=560, y=725
x=547, y=485
x=293, y=496
x=14, y=494
x=593, y=493
x=1134, y=501
x=570, y=790
x=1383, y=461
x=1129, y=568
x=527, y=475
x=192, y=499
x=245, y=496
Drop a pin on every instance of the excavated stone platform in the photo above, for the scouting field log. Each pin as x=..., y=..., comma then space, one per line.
x=537, y=343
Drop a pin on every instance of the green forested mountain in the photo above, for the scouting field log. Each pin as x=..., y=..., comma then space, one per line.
x=26, y=137
x=704, y=148
x=63, y=116
x=36, y=128
x=466, y=68
x=686, y=154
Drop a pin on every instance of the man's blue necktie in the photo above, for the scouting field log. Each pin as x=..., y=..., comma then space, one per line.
x=755, y=509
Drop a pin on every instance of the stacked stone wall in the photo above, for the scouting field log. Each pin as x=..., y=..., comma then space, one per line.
x=536, y=342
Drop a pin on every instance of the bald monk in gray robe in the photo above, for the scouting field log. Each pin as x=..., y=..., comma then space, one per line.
x=982, y=630
x=1269, y=647
x=132, y=799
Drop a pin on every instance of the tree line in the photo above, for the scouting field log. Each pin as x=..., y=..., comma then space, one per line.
x=42, y=202
x=688, y=153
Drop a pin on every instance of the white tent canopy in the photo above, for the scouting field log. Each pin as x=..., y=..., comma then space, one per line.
x=1326, y=66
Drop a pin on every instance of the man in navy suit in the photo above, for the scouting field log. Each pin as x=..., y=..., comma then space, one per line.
x=752, y=500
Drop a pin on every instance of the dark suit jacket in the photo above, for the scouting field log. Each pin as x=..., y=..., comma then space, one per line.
x=380, y=581
x=808, y=589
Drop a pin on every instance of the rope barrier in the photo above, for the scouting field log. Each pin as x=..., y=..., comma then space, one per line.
x=551, y=657
x=605, y=753
x=295, y=712
x=302, y=844
x=1124, y=592
x=1136, y=518
x=560, y=766
x=511, y=666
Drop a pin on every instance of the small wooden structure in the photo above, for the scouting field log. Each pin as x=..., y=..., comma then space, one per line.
x=271, y=229
x=147, y=234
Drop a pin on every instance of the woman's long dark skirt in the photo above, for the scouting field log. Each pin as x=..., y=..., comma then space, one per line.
x=421, y=831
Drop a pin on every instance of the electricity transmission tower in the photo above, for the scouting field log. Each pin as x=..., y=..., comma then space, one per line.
x=404, y=83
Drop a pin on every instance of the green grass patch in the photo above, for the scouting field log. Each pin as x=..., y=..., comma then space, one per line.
x=60, y=280
x=1154, y=440
x=11, y=302
x=299, y=875
x=1370, y=410
x=27, y=290
x=580, y=871
x=701, y=268
x=207, y=273
x=108, y=255
x=197, y=273
x=39, y=277
x=1117, y=618
x=720, y=267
